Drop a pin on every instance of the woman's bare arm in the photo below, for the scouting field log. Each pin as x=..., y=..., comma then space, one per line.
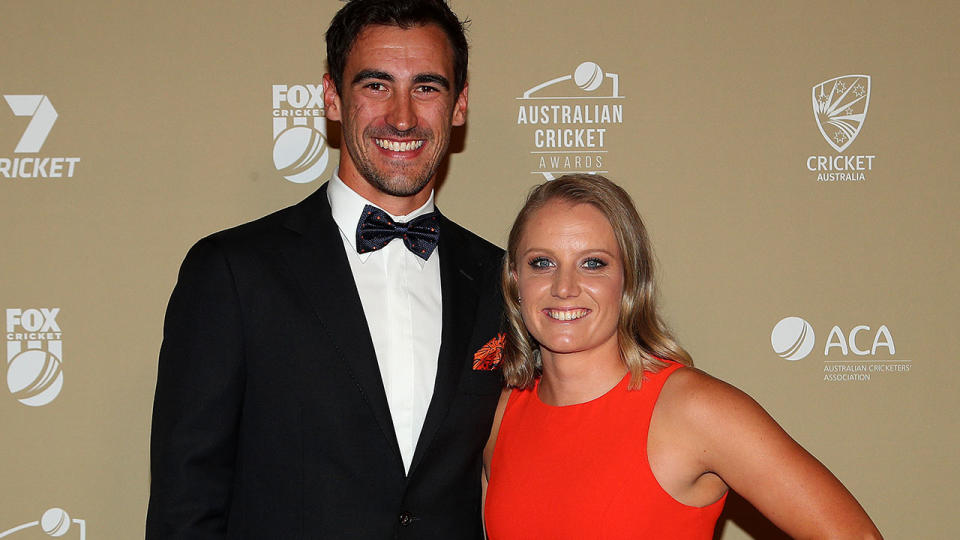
x=734, y=438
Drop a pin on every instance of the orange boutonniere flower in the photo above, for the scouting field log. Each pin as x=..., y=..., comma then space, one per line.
x=489, y=356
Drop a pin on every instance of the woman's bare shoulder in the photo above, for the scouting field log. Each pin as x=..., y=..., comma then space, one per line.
x=696, y=396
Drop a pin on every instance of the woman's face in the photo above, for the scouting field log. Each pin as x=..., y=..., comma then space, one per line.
x=569, y=271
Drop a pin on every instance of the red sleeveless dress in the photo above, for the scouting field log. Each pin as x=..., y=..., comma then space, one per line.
x=581, y=471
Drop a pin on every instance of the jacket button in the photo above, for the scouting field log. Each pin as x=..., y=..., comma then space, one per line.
x=406, y=518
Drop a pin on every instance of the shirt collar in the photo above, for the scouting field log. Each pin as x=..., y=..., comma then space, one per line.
x=346, y=205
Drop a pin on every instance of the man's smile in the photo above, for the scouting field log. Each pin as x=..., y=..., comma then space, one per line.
x=399, y=146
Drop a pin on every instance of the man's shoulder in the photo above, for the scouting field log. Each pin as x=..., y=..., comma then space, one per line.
x=261, y=228
x=270, y=229
x=479, y=247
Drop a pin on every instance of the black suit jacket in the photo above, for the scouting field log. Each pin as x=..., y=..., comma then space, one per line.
x=270, y=419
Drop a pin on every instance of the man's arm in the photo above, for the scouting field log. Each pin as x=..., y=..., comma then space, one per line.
x=197, y=405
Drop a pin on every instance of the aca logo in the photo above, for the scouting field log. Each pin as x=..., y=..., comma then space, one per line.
x=42, y=117
x=300, y=151
x=840, y=108
x=34, y=355
x=849, y=355
x=792, y=338
x=54, y=522
x=569, y=117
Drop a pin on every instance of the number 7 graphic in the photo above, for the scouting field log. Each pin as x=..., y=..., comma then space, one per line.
x=44, y=116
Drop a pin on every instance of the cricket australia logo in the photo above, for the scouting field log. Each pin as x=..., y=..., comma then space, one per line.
x=840, y=107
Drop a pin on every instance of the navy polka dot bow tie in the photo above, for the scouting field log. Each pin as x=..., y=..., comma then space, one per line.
x=376, y=229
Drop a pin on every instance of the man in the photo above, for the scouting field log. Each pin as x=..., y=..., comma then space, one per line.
x=317, y=376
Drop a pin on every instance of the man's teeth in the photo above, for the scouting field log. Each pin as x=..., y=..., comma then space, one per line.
x=567, y=315
x=395, y=146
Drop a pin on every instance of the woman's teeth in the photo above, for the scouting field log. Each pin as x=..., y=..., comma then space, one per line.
x=567, y=314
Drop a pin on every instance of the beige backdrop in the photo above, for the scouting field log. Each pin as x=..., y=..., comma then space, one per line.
x=705, y=112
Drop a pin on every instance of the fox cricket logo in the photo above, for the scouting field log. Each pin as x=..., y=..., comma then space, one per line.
x=849, y=356
x=54, y=522
x=42, y=117
x=34, y=355
x=570, y=116
x=300, y=151
x=840, y=109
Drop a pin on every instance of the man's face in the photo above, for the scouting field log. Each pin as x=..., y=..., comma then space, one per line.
x=397, y=107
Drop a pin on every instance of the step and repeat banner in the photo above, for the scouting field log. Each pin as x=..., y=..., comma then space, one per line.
x=796, y=164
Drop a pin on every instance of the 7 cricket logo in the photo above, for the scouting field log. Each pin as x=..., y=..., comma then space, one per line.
x=42, y=118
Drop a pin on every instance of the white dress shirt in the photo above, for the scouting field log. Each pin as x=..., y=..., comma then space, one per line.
x=400, y=294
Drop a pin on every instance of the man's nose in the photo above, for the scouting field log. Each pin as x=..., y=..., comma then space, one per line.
x=401, y=114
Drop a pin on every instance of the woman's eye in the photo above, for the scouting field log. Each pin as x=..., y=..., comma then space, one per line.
x=594, y=263
x=540, y=262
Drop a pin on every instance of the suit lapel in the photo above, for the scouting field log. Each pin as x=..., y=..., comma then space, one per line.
x=459, y=296
x=321, y=267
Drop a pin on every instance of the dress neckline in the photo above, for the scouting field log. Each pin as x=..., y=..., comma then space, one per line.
x=536, y=394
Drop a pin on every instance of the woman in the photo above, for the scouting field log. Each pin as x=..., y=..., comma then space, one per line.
x=608, y=432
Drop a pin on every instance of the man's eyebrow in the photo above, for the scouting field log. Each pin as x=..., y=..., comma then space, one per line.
x=372, y=74
x=432, y=78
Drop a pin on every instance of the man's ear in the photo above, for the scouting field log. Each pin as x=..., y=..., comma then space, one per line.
x=460, y=107
x=331, y=99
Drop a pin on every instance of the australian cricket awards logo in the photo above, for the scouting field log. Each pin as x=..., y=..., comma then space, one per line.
x=24, y=163
x=34, y=355
x=55, y=522
x=300, y=151
x=570, y=118
x=840, y=108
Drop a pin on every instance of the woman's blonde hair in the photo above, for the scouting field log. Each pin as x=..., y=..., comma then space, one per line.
x=644, y=339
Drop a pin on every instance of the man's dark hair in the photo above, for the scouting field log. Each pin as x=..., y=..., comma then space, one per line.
x=358, y=14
